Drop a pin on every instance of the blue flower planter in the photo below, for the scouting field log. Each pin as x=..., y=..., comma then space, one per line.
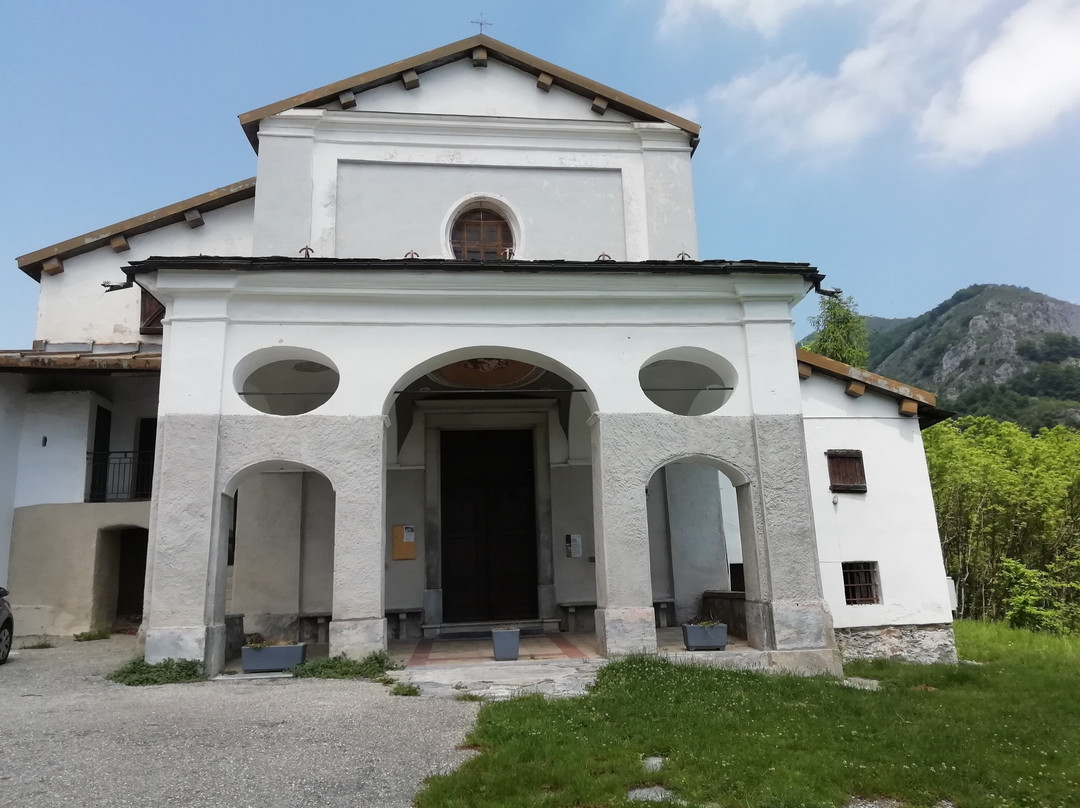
x=504, y=641
x=272, y=658
x=705, y=638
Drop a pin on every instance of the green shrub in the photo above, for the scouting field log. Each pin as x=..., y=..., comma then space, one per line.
x=95, y=634
x=372, y=666
x=140, y=672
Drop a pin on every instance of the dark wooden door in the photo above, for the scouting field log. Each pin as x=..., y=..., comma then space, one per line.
x=488, y=526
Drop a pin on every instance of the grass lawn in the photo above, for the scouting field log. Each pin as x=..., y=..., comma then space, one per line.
x=1004, y=733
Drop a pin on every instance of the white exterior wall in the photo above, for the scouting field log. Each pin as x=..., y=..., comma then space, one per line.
x=55, y=472
x=602, y=329
x=74, y=307
x=893, y=523
x=11, y=414
x=388, y=177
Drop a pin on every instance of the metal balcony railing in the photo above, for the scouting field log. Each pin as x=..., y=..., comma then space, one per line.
x=118, y=476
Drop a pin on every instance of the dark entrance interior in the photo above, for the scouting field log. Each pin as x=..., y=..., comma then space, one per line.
x=129, y=585
x=489, y=554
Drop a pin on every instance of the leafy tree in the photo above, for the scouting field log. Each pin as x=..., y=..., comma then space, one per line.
x=840, y=331
x=1008, y=511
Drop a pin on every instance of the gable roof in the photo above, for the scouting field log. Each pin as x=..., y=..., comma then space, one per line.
x=494, y=49
x=162, y=217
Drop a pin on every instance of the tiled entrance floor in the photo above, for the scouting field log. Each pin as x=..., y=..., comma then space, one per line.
x=533, y=647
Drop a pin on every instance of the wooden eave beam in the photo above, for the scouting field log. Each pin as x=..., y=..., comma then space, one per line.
x=855, y=389
x=909, y=407
x=193, y=218
x=347, y=99
x=874, y=381
x=52, y=266
x=410, y=79
x=599, y=105
x=479, y=57
x=543, y=82
x=805, y=371
x=32, y=263
x=119, y=243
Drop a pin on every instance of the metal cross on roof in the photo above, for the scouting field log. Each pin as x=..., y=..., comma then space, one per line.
x=482, y=22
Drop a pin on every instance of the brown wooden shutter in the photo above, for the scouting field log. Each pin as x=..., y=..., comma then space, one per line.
x=846, y=472
x=152, y=313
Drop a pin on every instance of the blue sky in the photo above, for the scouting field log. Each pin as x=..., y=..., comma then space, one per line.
x=908, y=148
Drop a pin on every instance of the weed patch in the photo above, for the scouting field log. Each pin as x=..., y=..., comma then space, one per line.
x=1006, y=732
x=39, y=643
x=140, y=672
x=373, y=666
x=87, y=636
x=402, y=689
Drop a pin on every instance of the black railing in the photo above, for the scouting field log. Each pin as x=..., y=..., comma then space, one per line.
x=118, y=476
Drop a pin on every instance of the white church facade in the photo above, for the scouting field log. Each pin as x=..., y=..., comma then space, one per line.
x=451, y=360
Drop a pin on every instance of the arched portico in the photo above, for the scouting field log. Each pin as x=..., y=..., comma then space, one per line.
x=784, y=604
x=193, y=513
x=487, y=463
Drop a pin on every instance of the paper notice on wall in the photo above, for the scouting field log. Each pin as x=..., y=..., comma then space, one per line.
x=404, y=545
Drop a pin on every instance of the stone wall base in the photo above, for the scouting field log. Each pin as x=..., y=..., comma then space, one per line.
x=922, y=644
x=625, y=631
x=357, y=638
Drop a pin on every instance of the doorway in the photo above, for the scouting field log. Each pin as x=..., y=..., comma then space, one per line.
x=489, y=541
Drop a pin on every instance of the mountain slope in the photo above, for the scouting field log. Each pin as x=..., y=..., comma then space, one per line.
x=971, y=339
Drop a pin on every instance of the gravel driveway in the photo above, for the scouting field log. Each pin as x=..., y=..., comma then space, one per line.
x=69, y=737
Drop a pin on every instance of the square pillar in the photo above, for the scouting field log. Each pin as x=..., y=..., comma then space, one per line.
x=784, y=602
x=187, y=547
x=625, y=621
x=358, y=626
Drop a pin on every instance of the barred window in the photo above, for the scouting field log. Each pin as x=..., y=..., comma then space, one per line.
x=846, y=472
x=480, y=234
x=861, y=583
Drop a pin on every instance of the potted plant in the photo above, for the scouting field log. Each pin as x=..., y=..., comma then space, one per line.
x=259, y=656
x=704, y=634
x=504, y=641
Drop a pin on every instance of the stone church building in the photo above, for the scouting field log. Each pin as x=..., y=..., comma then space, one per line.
x=450, y=360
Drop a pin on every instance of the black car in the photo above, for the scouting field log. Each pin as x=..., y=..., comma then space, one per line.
x=7, y=626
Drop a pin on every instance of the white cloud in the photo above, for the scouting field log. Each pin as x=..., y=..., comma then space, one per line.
x=1022, y=84
x=964, y=82
x=766, y=16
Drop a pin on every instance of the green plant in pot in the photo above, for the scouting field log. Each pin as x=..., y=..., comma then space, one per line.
x=504, y=642
x=259, y=656
x=704, y=634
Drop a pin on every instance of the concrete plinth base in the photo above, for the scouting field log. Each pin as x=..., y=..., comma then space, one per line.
x=357, y=638
x=176, y=642
x=625, y=631
x=784, y=626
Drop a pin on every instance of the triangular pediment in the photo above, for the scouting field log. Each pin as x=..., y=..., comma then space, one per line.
x=480, y=50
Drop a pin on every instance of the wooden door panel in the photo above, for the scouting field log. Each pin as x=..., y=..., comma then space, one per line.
x=488, y=525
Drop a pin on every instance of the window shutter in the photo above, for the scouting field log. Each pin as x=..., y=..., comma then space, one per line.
x=846, y=472
x=152, y=313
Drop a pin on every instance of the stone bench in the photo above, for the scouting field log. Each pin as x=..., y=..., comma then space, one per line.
x=568, y=610
x=402, y=619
